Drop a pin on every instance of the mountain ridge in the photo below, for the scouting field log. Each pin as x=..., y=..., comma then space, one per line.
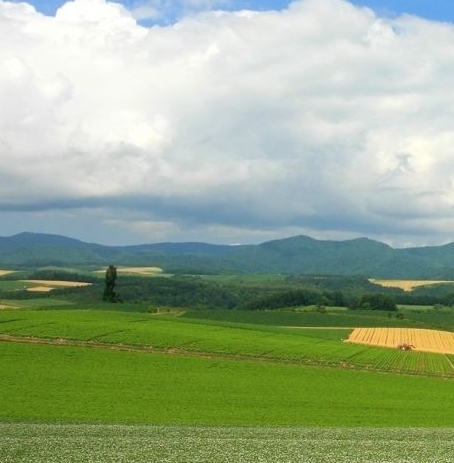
x=299, y=254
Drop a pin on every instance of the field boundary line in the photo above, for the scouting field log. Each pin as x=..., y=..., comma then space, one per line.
x=449, y=361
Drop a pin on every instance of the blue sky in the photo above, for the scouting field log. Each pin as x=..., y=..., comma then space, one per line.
x=234, y=121
x=439, y=10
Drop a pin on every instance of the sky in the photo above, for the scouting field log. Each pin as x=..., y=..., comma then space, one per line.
x=228, y=121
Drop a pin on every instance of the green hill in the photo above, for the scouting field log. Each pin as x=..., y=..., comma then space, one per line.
x=295, y=255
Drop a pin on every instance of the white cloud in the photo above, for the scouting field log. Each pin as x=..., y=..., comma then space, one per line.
x=322, y=118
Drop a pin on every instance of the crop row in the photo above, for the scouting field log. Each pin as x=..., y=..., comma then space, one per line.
x=254, y=342
x=196, y=444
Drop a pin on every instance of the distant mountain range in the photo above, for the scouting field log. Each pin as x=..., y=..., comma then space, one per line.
x=295, y=255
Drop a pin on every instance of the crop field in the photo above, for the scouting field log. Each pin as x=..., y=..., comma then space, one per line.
x=104, y=385
x=420, y=340
x=140, y=271
x=150, y=332
x=408, y=285
x=63, y=443
x=5, y=272
x=332, y=318
x=49, y=285
x=98, y=386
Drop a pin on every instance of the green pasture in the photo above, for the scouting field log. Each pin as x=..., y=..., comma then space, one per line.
x=333, y=317
x=12, y=285
x=70, y=443
x=78, y=384
x=222, y=339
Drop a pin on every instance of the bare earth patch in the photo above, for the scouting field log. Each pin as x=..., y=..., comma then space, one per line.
x=407, y=285
x=49, y=285
x=441, y=342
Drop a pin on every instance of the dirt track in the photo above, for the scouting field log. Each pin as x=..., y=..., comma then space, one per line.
x=423, y=340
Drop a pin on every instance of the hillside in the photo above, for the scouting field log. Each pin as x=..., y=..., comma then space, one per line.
x=294, y=255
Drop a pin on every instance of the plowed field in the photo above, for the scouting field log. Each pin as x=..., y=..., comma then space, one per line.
x=423, y=340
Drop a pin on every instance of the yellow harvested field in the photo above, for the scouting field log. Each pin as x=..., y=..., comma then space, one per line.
x=136, y=270
x=441, y=342
x=407, y=285
x=49, y=285
x=6, y=272
x=139, y=270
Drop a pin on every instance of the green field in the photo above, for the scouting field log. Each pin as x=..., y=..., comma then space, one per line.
x=77, y=384
x=223, y=339
x=101, y=386
x=334, y=317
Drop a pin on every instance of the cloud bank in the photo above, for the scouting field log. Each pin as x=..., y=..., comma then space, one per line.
x=322, y=119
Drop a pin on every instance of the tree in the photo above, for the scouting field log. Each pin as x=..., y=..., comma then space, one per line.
x=109, y=294
x=378, y=302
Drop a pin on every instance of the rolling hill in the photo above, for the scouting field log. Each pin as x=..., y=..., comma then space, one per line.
x=294, y=255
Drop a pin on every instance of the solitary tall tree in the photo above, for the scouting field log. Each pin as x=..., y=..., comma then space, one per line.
x=109, y=294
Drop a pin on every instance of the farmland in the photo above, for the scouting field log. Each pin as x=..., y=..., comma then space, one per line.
x=245, y=341
x=5, y=272
x=141, y=271
x=416, y=339
x=408, y=285
x=143, y=382
x=49, y=285
x=54, y=383
x=62, y=443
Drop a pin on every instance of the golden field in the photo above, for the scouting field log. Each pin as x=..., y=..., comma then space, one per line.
x=49, y=285
x=441, y=342
x=145, y=271
x=407, y=285
x=6, y=272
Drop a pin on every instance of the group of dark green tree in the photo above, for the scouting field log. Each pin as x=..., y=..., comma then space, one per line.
x=198, y=292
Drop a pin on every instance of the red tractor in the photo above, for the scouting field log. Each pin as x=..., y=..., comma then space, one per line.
x=405, y=346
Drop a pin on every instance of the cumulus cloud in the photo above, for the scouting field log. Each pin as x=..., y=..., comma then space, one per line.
x=322, y=118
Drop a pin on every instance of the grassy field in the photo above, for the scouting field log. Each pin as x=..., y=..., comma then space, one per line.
x=76, y=384
x=103, y=386
x=40, y=443
x=418, y=317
